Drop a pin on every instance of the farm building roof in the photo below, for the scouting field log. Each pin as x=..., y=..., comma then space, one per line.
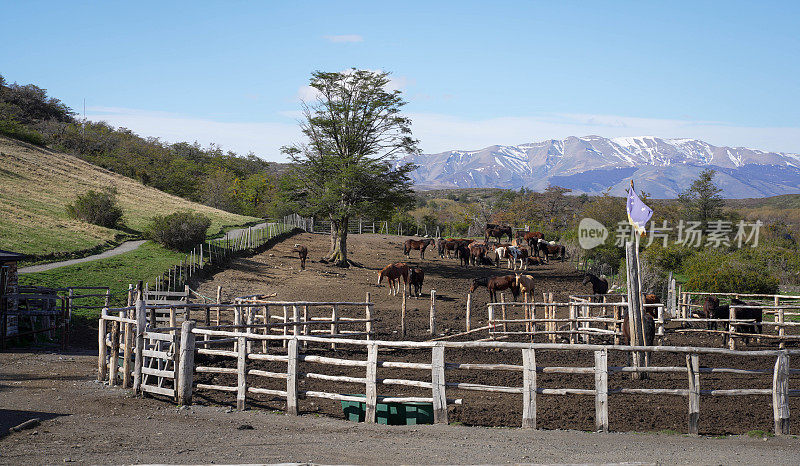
x=8, y=256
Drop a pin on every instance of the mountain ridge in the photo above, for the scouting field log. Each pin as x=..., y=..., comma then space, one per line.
x=592, y=164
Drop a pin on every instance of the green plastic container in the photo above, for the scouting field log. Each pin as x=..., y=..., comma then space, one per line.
x=393, y=414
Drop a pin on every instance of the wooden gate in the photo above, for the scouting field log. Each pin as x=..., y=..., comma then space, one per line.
x=160, y=356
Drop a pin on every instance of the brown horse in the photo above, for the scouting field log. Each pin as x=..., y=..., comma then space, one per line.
x=498, y=232
x=419, y=245
x=530, y=237
x=450, y=245
x=649, y=323
x=462, y=254
x=393, y=272
x=302, y=252
x=599, y=284
x=549, y=249
x=495, y=284
x=477, y=252
x=415, y=279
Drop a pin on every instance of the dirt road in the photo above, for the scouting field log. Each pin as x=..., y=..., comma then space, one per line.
x=84, y=421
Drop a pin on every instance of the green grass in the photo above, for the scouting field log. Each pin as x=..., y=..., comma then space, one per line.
x=759, y=434
x=37, y=184
x=146, y=263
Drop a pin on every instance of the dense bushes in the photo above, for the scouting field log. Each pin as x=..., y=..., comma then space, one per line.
x=11, y=128
x=721, y=271
x=180, y=231
x=99, y=208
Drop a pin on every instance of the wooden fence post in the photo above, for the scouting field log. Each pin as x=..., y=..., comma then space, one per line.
x=693, y=366
x=732, y=327
x=186, y=367
x=141, y=325
x=368, y=316
x=438, y=385
x=529, y=388
x=469, y=310
x=291, y=379
x=371, y=391
x=635, y=320
x=403, y=317
x=573, y=336
x=241, y=373
x=781, y=330
x=432, y=328
x=780, y=394
x=126, y=352
x=334, y=323
x=601, y=390
x=102, y=364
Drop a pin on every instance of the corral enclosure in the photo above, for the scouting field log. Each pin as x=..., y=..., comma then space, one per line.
x=484, y=385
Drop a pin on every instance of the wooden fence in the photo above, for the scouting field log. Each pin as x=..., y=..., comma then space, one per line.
x=168, y=368
x=782, y=309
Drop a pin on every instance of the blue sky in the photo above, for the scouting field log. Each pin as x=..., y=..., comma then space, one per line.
x=474, y=73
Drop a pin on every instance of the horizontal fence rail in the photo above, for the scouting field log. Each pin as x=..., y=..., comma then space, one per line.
x=170, y=367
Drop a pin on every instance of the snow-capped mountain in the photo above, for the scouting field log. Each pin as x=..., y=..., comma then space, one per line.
x=591, y=164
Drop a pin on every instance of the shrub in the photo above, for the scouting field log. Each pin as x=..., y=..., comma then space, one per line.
x=180, y=231
x=13, y=129
x=99, y=208
x=724, y=272
x=668, y=258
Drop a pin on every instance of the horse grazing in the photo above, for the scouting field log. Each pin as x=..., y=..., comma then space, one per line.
x=599, y=284
x=415, y=279
x=552, y=249
x=302, y=252
x=419, y=245
x=477, y=252
x=498, y=231
x=495, y=284
x=393, y=272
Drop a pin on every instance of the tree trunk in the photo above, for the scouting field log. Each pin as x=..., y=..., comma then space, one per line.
x=338, y=255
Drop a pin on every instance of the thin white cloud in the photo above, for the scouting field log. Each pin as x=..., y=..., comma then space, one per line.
x=344, y=38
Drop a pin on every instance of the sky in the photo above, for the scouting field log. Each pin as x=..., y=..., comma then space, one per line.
x=474, y=74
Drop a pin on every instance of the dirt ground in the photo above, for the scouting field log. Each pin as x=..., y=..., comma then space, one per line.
x=85, y=421
x=276, y=271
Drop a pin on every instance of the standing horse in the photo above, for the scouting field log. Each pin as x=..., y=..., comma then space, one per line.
x=518, y=254
x=393, y=272
x=557, y=250
x=495, y=284
x=462, y=254
x=599, y=284
x=498, y=232
x=415, y=279
x=419, y=245
x=477, y=252
x=302, y=252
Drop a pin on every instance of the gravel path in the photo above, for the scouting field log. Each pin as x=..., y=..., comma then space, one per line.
x=122, y=248
x=87, y=422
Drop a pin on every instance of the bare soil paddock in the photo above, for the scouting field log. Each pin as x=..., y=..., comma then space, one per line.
x=88, y=422
x=277, y=271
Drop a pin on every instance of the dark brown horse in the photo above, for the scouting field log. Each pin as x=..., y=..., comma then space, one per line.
x=462, y=254
x=549, y=249
x=599, y=284
x=495, y=284
x=477, y=252
x=450, y=245
x=530, y=237
x=498, y=232
x=415, y=279
x=302, y=252
x=649, y=323
x=419, y=245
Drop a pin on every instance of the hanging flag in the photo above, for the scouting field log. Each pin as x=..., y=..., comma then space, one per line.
x=638, y=213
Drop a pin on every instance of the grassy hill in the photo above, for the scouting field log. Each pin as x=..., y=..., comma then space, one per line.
x=36, y=184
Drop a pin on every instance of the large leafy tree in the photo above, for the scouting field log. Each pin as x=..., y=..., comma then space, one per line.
x=354, y=133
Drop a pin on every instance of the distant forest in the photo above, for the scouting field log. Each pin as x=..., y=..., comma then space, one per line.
x=242, y=184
